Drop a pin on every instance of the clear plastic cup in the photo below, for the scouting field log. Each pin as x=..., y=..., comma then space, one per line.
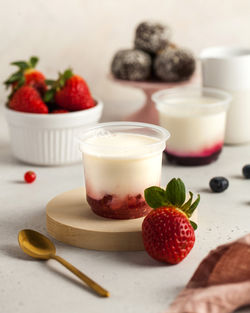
x=121, y=159
x=196, y=119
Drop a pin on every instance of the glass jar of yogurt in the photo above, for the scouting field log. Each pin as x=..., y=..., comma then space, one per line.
x=196, y=119
x=121, y=160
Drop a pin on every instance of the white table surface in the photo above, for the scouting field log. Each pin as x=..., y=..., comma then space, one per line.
x=136, y=282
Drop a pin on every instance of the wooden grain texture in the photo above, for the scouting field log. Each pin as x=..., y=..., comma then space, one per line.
x=70, y=220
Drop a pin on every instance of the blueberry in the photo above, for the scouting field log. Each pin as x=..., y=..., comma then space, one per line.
x=246, y=171
x=218, y=184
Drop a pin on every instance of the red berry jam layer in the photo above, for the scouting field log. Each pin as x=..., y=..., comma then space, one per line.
x=204, y=157
x=113, y=207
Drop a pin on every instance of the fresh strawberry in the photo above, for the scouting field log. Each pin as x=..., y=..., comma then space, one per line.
x=70, y=92
x=36, y=79
x=27, y=99
x=27, y=75
x=168, y=234
x=59, y=111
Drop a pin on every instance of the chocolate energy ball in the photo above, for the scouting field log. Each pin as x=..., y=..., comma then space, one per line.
x=131, y=64
x=174, y=65
x=151, y=37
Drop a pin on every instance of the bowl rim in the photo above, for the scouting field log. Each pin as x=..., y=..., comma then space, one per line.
x=99, y=105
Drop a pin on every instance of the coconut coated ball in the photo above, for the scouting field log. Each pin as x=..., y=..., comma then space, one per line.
x=151, y=37
x=174, y=65
x=131, y=64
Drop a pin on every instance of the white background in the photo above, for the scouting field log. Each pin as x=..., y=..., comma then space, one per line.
x=85, y=34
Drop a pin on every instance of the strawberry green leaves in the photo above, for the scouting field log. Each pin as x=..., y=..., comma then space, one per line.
x=156, y=197
x=176, y=192
x=21, y=64
x=194, y=225
x=33, y=62
x=56, y=85
x=49, y=96
x=173, y=196
x=193, y=206
x=25, y=65
x=186, y=205
x=18, y=77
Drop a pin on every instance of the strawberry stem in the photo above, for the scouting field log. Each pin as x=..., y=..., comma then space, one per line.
x=173, y=196
x=18, y=76
x=56, y=85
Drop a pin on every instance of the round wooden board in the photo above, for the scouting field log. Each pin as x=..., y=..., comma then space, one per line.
x=70, y=220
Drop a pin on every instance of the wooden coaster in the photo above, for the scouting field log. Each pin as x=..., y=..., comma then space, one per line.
x=70, y=220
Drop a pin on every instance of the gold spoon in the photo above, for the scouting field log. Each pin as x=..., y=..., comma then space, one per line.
x=40, y=247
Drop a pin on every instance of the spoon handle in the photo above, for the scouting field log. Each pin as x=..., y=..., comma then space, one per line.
x=97, y=288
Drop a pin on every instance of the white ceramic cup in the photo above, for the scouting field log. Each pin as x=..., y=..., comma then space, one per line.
x=229, y=69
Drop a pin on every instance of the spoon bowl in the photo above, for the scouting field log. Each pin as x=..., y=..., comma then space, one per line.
x=40, y=247
x=36, y=244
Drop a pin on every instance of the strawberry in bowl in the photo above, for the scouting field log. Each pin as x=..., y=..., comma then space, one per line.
x=27, y=75
x=40, y=134
x=70, y=92
x=168, y=233
x=27, y=99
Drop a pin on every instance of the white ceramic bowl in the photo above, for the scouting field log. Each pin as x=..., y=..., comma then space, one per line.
x=48, y=139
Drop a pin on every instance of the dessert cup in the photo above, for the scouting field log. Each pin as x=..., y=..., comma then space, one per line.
x=121, y=159
x=196, y=119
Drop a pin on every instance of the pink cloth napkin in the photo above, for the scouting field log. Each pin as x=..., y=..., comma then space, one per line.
x=221, y=284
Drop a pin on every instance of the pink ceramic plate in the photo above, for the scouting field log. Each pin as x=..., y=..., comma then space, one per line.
x=148, y=113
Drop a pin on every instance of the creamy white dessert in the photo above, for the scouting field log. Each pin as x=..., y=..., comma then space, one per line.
x=194, y=130
x=115, y=172
x=117, y=168
x=197, y=127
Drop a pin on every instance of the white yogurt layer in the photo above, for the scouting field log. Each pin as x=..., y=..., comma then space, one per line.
x=115, y=145
x=115, y=172
x=194, y=127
